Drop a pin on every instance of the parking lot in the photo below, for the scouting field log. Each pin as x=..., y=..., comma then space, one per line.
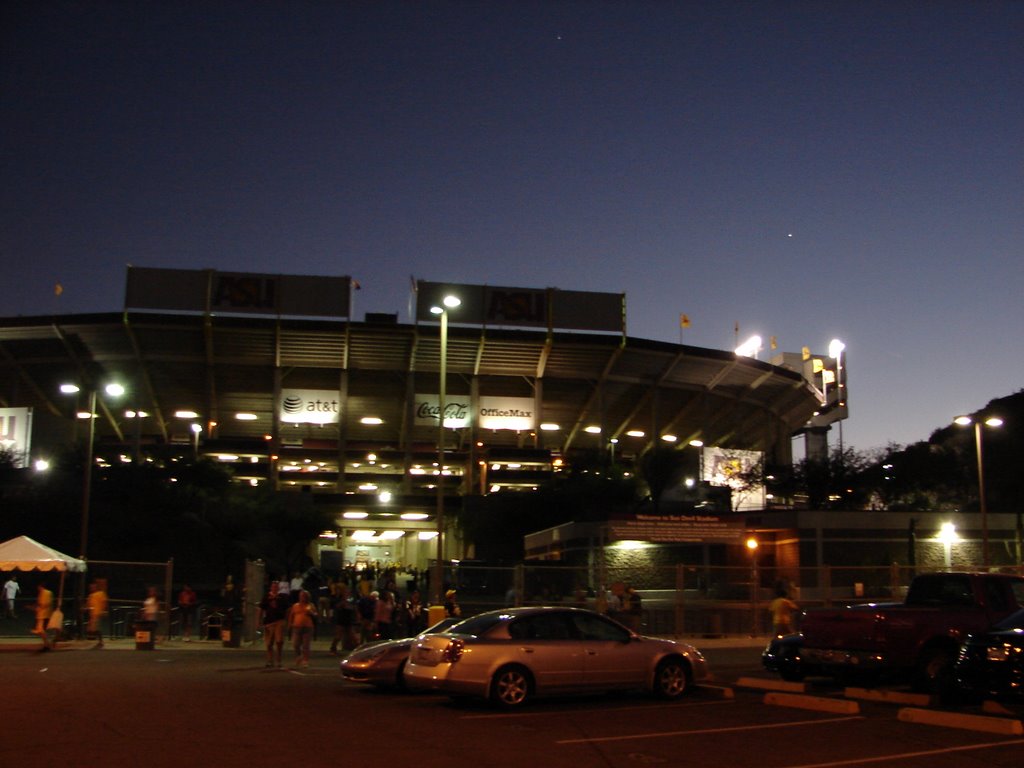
x=202, y=703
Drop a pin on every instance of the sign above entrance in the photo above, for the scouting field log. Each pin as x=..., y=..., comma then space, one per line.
x=670, y=529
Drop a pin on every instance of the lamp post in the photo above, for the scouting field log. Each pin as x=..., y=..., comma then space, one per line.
x=196, y=429
x=752, y=545
x=948, y=536
x=992, y=421
x=437, y=580
x=835, y=351
x=114, y=390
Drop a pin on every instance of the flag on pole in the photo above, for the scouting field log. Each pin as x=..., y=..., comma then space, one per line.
x=58, y=289
x=774, y=342
x=684, y=321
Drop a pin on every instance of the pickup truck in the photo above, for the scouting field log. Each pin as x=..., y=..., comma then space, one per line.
x=920, y=636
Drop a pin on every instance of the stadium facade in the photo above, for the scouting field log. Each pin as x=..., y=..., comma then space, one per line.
x=269, y=375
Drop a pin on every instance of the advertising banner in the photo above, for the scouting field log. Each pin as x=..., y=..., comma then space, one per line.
x=456, y=407
x=548, y=308
x=310, y=406
x=16, y=434
x=740, y=471
x=675, y=529
x=514, y=413
x=207, y=290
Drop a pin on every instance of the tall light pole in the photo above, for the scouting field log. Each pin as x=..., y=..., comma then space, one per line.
x=752, y=545
x=437, y=579
x=114, y=390
x=992, y=421
x=835, y=351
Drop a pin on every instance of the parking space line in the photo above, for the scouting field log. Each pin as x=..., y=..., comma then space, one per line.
x=508, y=715
x=911, y=755
x=706, y=731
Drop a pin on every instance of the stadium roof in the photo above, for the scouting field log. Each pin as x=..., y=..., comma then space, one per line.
x=220, y=366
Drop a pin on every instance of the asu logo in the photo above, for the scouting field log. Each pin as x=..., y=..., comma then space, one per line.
x=517, y=307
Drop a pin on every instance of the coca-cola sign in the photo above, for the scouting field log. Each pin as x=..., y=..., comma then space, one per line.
x=456, y=411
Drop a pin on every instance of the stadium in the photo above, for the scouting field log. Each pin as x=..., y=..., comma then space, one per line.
x=269, y=375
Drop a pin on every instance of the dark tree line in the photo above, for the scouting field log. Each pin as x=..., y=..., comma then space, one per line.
x=152, y=512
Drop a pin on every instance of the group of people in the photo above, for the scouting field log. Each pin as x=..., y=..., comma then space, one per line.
x=358, y=615
x=624, y=604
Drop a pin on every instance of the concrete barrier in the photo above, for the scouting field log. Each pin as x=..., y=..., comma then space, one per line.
x=1001, y=725
x=768, y=684
x=891, y=697
x=816, y=703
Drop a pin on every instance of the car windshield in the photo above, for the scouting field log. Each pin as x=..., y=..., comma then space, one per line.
x=1013, y=621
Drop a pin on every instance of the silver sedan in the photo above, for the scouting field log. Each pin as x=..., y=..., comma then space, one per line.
x=382, y=662
x=514, y=654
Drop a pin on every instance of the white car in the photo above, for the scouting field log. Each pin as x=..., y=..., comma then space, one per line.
x=509, y=656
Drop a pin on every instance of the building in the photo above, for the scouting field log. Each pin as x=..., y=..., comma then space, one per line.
x=269, y=375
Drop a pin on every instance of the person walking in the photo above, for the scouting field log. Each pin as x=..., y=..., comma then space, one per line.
x=96, y=604
x=11, y=590
x=301, y=618
x=344, y=619
x=415, y=618
x=273, y=614
x=44, y=610
x=782, y=609
x=187, y=600
x=451, y=605
x=385, y=614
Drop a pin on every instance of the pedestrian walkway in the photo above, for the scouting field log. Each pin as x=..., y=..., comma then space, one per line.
x=319, y=646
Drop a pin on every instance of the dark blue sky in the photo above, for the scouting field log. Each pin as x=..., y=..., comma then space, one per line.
x=807, y=170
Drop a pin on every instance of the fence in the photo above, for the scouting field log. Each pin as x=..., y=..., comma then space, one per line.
x=683, y=600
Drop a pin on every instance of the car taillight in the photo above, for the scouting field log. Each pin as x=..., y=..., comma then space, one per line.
x=454, y=651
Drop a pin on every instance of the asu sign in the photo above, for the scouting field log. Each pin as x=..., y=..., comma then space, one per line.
x=210, y=291
x=550, y=308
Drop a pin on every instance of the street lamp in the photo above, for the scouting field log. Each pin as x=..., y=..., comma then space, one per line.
x=196, y=429
x=113, y=390
x=835, y=351
x=948, y=536
x=752, y=546
x=992, y=421
x=437, y=587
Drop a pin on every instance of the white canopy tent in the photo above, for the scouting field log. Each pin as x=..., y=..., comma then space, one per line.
x=25, y=554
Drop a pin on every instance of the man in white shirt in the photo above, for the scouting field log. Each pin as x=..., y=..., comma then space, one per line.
x=11, y=590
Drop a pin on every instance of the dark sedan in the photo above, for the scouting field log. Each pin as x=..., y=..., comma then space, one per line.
x=992, y=663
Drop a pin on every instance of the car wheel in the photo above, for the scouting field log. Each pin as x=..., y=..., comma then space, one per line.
x=671, y=679
x=400, y=675
x=934, y=673
x=511, y=687
x=789, y=666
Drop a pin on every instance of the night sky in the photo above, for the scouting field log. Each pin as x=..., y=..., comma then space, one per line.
x=806, y=170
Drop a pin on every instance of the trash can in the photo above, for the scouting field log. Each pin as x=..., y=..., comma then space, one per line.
x=231, y=628
x=435, y=613
x=145, y=635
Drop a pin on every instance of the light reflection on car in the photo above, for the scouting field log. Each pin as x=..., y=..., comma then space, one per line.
x=992, y=663
x=509, y=656
x=382, y=662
